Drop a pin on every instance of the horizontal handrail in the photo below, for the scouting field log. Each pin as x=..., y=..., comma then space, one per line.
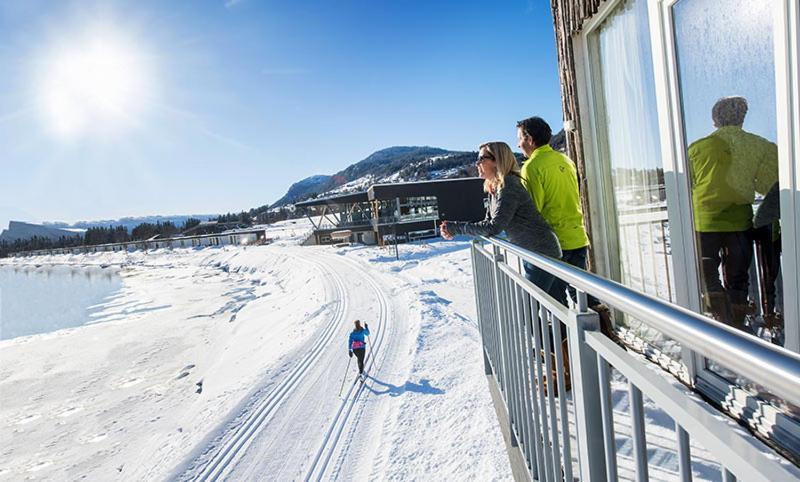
x=771, y=366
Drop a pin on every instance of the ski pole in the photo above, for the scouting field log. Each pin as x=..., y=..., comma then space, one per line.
x=345, y=375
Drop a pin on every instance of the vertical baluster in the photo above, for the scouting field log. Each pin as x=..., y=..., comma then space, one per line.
x=490, y=317
x=503, y=318
x=500, y=363
x=531, y=310
x=509, y=332
x=477, y=282
x=607, y=409
x=684, y=454
x=547, y=340
x=519, y=319
x=493, y=325
x=539, y=320
x=513, y=357
x=637, y=427
x=562, y=402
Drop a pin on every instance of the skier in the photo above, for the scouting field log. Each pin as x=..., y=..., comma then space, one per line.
x=357, y=344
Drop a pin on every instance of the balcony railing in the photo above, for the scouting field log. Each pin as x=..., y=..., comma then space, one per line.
x=556, y=373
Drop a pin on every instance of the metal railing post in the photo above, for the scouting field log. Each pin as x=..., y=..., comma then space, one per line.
x=502, y=365
x=478, y=282
x=586, y=393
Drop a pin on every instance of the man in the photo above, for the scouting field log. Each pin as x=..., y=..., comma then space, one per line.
x=727, y=168
x=552, y=181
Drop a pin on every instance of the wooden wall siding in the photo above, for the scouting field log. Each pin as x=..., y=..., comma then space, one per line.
x=568, y=19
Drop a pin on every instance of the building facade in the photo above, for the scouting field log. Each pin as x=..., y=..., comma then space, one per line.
x=651, y=90
x=401, y=212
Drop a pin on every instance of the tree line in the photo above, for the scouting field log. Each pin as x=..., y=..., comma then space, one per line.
x=98, y=235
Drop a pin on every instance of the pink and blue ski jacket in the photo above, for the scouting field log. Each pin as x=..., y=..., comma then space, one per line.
x=357, y=339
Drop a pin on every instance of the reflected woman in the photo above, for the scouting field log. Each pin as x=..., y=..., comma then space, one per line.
x=510, y=209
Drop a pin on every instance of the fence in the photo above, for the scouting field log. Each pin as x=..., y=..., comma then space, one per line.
x=553, y=368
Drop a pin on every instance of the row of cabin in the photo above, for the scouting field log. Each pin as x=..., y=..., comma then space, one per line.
x=256, y=235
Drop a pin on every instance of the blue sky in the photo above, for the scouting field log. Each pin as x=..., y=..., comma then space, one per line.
x=224, y=104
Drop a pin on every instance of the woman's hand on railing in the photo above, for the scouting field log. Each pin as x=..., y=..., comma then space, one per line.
x=445, y=232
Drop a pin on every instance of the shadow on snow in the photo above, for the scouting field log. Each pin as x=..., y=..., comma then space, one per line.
x=424, y=386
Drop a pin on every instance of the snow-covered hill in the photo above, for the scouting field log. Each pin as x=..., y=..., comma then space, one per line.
x=21, y=230
x=393, y=164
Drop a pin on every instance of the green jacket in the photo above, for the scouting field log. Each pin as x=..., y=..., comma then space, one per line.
x=551, y=180
x=727, y=168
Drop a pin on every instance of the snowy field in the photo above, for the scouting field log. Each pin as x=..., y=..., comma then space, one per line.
x=227, y=362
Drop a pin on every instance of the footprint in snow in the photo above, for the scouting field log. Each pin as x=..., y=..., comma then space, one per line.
x=28, y=419
x=185, y=371
x=39, y=465
x=70, y=411
x=130, y=382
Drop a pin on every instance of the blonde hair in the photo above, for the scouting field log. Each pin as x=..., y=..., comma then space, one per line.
x=506, y=164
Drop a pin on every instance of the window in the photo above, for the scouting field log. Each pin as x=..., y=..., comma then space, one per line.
x=633, y=195
x=418, y=208
x=726, y=69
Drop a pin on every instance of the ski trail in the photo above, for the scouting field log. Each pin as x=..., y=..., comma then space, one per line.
x=330, y=443
x=237, y=442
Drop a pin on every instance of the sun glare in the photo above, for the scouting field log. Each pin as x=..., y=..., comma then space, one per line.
x=97, y=85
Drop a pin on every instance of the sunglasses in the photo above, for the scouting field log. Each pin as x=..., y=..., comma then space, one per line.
x=485, y=157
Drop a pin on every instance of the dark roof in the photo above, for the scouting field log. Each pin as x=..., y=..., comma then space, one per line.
x=350, y=198
x=436, y=187
x=394, y=189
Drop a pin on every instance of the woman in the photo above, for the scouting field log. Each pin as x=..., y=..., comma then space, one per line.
x=357, y=344
x=511, y=210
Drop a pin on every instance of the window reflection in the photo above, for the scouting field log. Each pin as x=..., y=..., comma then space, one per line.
x=727, y=83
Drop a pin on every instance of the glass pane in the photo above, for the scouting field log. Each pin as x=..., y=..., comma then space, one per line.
x=727, y=81
x=634, y=152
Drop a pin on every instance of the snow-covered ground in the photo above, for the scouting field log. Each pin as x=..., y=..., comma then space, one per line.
x=264, y=329
x=226, y=363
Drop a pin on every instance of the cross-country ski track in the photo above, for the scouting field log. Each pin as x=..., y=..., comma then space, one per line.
x=300, y=428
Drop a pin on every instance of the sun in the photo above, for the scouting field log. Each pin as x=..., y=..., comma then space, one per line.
x=98, y=84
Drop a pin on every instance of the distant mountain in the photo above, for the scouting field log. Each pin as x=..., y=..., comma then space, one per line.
x=393, y=164
x=131, y=222
x=303, y=189
x=20, y=230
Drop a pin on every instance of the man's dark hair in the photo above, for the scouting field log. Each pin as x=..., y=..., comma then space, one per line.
x=538, y=129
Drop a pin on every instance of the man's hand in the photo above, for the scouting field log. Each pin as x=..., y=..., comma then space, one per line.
x=351, y=353
x=444, y=231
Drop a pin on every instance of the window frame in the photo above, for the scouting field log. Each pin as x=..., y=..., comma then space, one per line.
x=602, y=209
x=730, y=397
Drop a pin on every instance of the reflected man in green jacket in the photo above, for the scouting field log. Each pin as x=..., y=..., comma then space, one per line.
x=727, y=169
